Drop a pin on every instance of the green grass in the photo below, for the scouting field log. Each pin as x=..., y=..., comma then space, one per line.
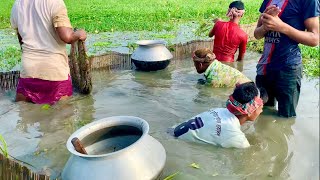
x=9, y=58
x=311, y=60
x=3, y=147
x=128, y=15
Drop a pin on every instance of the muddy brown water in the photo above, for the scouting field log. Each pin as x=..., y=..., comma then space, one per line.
x=280, y=148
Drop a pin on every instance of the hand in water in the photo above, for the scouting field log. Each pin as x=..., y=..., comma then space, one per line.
x=170, y=131
x=201, y=81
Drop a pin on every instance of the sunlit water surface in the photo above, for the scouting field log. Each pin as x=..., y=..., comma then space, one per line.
x=281, y=148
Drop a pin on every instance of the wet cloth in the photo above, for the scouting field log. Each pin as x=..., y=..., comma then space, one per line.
x=228, y=37
x=42, y=91
x=237, y=108
x=44, y=55
x=217, y=127
x=221, y=75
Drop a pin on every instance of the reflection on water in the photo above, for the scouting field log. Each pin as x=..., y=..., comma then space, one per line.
x=281, y=148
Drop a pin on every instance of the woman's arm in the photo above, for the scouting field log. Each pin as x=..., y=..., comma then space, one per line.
x=69, y=36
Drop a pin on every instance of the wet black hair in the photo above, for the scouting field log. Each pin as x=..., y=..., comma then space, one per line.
x=237, y=4
x=244, y=93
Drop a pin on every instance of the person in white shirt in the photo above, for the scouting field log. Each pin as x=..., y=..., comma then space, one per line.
x=221, y=126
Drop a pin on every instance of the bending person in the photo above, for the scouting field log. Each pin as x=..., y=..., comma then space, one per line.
x=221, y=126
x=216, y=73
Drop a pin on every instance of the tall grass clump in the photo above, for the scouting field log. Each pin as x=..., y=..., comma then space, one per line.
x=3, y=147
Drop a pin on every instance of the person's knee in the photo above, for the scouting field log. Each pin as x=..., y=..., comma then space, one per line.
x=20, y=97
x=63, y=98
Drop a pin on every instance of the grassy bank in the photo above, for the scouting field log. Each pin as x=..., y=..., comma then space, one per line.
x=128, y=15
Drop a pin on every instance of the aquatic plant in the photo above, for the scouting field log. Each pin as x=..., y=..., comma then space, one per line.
x=9, y=58
x=3, y=147
x=108, y=16
x=171, y=177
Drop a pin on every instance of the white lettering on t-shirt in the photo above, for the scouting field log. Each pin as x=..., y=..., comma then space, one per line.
x=218, y=120
x=273, y=37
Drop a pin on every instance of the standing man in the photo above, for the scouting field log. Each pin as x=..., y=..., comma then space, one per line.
x=284, y=24
x=43, y=29
x=228, y=36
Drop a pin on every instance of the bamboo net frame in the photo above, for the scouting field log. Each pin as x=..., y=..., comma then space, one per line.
x=13, y=170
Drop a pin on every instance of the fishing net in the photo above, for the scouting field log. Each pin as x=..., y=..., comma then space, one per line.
x=80, y=68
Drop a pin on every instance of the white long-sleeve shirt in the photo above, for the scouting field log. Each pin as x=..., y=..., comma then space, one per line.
x=220, y=127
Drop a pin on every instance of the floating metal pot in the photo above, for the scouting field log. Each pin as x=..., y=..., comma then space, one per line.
x=151, y=55
x=119, y=148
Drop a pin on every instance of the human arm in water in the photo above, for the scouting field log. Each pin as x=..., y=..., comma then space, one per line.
x=242, y=48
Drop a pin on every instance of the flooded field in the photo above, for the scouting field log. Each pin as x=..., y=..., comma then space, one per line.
x=281, y=148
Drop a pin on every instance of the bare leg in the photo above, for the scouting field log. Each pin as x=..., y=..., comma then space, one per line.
x=63, y=98
x=21, y=97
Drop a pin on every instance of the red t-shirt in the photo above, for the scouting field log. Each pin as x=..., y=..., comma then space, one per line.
x=228, y=37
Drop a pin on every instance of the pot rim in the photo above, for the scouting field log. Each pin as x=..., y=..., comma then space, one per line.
x=108, y=122
x=151, y=42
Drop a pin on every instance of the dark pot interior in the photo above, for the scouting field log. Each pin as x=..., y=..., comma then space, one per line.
x=150, y=66
x=111, y=139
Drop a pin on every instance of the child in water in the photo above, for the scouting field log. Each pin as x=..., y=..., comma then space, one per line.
x=221, y=126
x=216, y=73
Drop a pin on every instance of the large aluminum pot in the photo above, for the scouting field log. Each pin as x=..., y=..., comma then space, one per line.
x=151, y=55
x=119, y=148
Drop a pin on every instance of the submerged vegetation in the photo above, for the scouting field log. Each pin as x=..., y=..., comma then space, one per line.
x=97, y=16
x=3, y=147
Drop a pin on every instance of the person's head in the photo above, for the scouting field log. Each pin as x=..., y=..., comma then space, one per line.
x=236, y=11
x=202, y=58
x=246, y=101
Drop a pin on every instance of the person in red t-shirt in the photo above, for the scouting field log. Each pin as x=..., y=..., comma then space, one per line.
x=228, y=36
